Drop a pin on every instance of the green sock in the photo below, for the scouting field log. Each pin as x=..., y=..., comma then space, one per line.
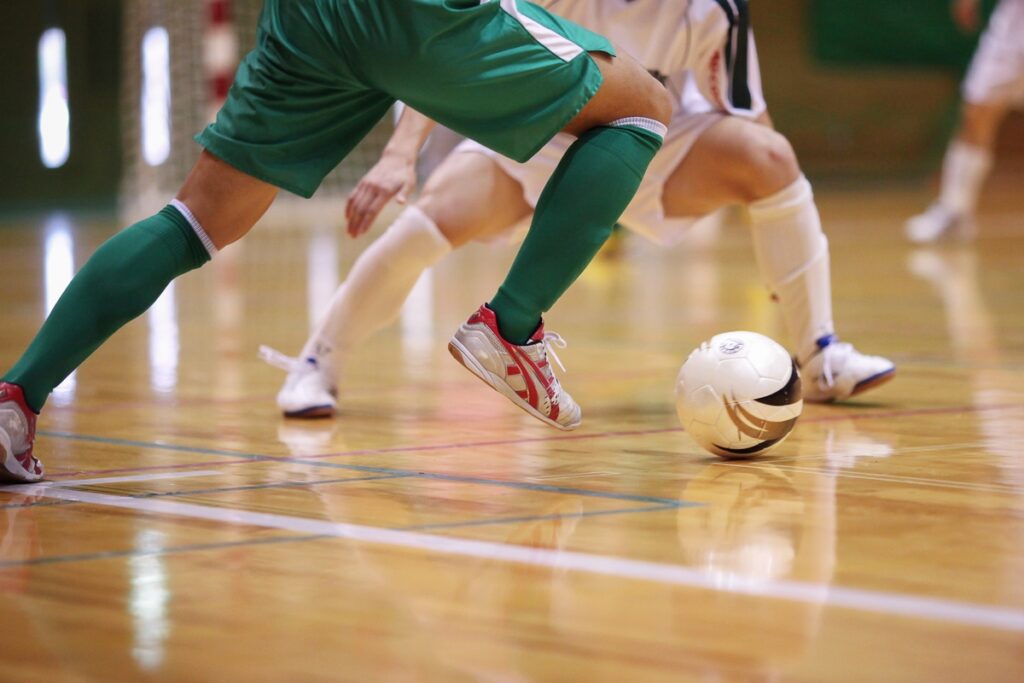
x=121, y=280
x=585, y=196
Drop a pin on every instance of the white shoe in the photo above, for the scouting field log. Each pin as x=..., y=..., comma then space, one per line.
x=309, y=391
x=521, y=374
x=838, y=371
x=937, y=223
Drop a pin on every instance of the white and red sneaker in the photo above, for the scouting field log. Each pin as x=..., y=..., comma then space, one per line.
x=17, y=432
x=520, y=373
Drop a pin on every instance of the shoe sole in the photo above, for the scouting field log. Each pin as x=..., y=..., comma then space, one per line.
x=864, y=385
x=874, y=381
x=466, y=359
x=11, y=471
x=312, y=413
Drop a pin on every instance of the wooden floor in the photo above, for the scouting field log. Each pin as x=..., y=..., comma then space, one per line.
x=433, y=532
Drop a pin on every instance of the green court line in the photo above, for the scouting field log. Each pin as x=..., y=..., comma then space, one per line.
x=258, y=457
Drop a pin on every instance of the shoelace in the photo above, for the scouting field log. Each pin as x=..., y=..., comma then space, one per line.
x=826, y=364
x=551, y=340
x=279, y=360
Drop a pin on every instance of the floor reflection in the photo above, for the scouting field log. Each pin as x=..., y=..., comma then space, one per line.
x=975, y=341
x=58, y=269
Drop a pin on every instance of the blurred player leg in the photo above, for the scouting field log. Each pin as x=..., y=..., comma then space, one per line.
x=740, y=161
x=468, y=197
x=994, y=83
x=965, y=168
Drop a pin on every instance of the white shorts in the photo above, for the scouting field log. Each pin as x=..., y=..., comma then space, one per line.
x=996, y=75
x=645, y=215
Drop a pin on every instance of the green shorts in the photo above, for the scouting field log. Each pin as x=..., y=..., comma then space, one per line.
x=505, y=73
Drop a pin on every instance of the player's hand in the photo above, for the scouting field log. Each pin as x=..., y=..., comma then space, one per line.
x=393, y=176
x=967, y=15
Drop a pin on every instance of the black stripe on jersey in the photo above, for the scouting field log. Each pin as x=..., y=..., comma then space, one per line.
x=727, y=8
x=737, y=51
x=740, y=90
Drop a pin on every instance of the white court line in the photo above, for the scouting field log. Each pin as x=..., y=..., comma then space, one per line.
x=889, y=478
x=35, y=489
x=915, y=607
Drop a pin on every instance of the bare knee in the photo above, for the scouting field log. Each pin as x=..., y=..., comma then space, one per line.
x=434, y=208
x=771, y=165
x=979, y=124
x=659, y=102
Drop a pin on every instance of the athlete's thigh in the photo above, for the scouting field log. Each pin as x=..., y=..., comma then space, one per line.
x=471, y=198
x=627, y=89
x=717, y=170
x=507, y=73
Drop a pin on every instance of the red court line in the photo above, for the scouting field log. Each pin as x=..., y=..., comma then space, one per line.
x=910, y=412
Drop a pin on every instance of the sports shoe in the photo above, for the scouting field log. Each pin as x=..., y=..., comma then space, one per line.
x=520, y=373
x=838, y=371
x=309, y=391
x=938, y=222
x=17, y=433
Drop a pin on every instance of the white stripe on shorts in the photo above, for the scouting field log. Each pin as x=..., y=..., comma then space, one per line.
x=562, y=47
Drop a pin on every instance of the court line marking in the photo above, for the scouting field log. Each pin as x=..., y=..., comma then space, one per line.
x=897, y=604
x=293, y=484
x=465, y=479
x=169, y=550
x=250, y=457
x=155, y=476
x=497, y=521
x=312, y=459
x=1007, y=489
x=35, y=491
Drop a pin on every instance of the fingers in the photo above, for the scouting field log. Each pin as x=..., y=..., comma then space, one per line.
x=364, y=206
x=368, y=200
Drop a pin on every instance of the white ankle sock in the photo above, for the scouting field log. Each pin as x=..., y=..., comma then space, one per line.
x=371, y=296
x=792, y=255
x=964, y=170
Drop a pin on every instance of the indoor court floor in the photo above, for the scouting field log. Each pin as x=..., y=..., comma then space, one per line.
x=434, y=532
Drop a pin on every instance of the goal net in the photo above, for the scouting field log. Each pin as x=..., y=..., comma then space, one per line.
x=179, y=56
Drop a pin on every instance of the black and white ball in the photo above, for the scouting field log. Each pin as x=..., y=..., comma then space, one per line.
x=738, y=394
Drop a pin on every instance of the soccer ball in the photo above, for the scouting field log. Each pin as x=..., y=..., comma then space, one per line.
x=738, y=394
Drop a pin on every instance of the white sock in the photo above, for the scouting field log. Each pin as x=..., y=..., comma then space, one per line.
x=371, y=296
x=964, y=170
x=792, y=255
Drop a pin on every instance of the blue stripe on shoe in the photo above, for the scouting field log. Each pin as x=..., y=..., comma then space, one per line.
x=873, y=378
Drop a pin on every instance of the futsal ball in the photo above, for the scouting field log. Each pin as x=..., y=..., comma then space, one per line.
x=738, y=394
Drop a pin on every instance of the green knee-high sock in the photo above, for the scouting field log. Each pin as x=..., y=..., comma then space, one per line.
x=121, y=280
x=575, y=214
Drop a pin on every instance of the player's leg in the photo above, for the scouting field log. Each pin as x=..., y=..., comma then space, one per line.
x=619, y=131
x=993, y=83
x=285, y=124
x=965, y=167
x=739, y=161
x=468, y=197
x=217, y=205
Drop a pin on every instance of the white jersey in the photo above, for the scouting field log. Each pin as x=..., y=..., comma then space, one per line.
x=702, y=50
